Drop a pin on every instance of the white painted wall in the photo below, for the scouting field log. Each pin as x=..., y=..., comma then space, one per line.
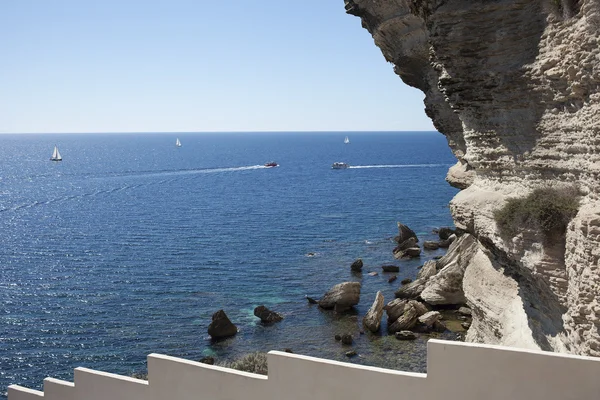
x=456, y=370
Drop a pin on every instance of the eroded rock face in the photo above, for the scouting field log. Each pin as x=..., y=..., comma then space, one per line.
x=514, y=85
x=372, y=320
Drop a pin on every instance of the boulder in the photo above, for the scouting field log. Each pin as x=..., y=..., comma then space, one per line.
x=372, y=320
x=405, y=281
x=221, y=326
x=357, y=265
x=444, y=244
x=445, y=232
x=465, y=311
x=410, y=252
x=341, y=297
x=408, y=243
x=351, y=353
x=392, y=278
x=395, y=309
x=338, y=337
x=430, y=318
x=346, y=339
x=390, y=268
x=267, y=316
x=405, y=335
x=430, y=245
x=407, y=320
x=404, y=232
x=446, y=287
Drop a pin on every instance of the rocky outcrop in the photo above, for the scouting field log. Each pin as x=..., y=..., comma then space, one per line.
x=514, y=86
x=372, y=320
x=341, y=297
x=221, y=327
x=267, y=316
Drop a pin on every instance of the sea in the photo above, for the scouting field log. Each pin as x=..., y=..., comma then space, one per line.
x=129, y=244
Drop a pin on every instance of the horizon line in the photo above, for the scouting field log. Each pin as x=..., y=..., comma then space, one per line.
x=200, y=132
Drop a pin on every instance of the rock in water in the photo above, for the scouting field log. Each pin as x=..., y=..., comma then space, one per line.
x=347, y=339
x=267, y=316
x=372, y=320
x=404, y=233
x=430, y=318
x=221, y=326
x=405, y=335
x=341, y=297
x=409, y=318
x=311, y=300
x=395, y=309
x=445, y=232
x=357, y=265
x=392, y=278
x=390, y=268
x=429, y=245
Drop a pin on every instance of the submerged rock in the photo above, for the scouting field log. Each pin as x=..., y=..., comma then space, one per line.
x=221, y=327
x=405, y=335
x=372, y=320
x=430, y=245
x=347, y=339
x=267, y=316
x=341, y=297
x=392, y=278
x=390, y=268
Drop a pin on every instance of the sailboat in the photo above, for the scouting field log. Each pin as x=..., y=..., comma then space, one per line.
x=346, y=140
x=177, y=143
x=56, y=155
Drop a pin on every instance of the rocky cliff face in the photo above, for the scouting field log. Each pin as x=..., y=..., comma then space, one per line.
x=515, y=87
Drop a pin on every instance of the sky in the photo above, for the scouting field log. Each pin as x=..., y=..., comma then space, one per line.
x=195, y=66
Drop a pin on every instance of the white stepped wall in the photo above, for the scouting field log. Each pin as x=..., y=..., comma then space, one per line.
x=455, y=371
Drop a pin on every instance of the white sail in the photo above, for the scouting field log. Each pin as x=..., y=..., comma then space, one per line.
x=346, y=140
x=56, y=155
x=178, y=143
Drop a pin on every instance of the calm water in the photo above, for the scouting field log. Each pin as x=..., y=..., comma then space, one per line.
x=130, y=244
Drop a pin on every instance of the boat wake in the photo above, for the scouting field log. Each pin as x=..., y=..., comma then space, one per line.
x=128, y=187
x=400, y=166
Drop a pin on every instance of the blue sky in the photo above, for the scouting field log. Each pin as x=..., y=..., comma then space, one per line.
x=184, y=65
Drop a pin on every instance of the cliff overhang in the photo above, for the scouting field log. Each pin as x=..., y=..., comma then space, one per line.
x=514, y=86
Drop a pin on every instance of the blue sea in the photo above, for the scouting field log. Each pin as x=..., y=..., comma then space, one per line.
x=130, y=244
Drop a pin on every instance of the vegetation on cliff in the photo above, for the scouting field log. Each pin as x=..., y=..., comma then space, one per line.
x=547, y=209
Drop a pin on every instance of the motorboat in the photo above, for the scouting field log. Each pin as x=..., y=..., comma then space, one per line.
x=271, y=164
x=177, y=143
x=339, y=165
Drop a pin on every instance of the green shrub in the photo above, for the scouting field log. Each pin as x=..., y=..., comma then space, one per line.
x=548, y=210
x=253, y=362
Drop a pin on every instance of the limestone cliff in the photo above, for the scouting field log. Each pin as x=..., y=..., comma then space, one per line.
x=515, y=87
